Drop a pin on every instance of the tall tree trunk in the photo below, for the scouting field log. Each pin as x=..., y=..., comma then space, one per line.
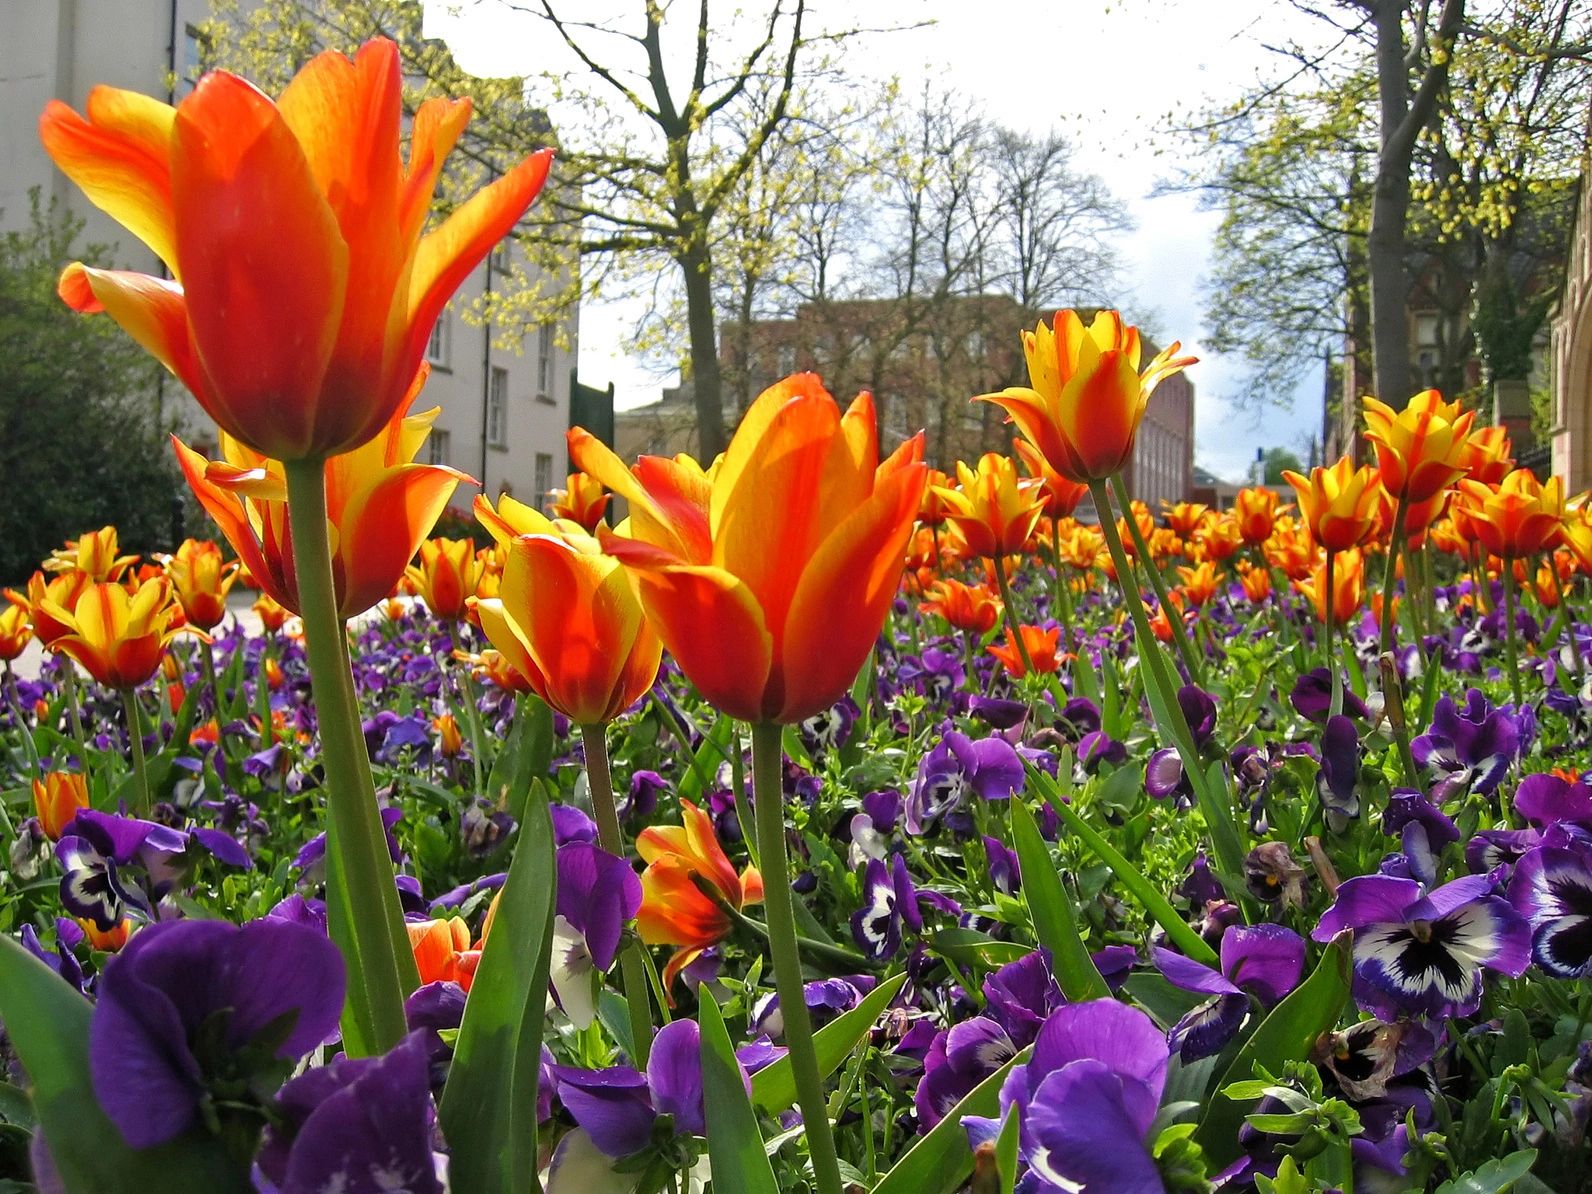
x=706, y=379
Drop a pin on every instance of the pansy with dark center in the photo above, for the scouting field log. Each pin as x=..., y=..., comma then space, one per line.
x=1264, y=961
x=598, y=893
x=1422, y=954
x=114, y=865
x=1552, y=888
x=957, y=768
x=1338, y=783
x=889, y=901
x=1469, y=747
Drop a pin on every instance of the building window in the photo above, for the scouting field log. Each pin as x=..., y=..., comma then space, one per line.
x=500, y=257
x=437, y=345
x=544, y=361
x=785, y=360
x=437, y=447
x=497, y=408
x=1426, y=329
x=544, y=477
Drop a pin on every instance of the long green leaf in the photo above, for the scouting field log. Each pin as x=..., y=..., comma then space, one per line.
x=48, y=1023
x=1287, y=1034
x=488, y=1109
x=704, y=764
x=1149, y=898
x=735, y=1143
x=1050, y=907
x=939, y=1161
x=774, y=1086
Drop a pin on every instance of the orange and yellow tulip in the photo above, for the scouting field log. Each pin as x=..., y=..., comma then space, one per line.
x=1420, y=450
x=1255, y=512
x=56, y=800
x=380, y=505
x=15, y=633
x=1041, y=645
x=201, y=580
x=1061, y=495
x=1185, y=517
x=567, y=618
x=1347, y=589
x=769, y=577
x=442, y=951
x=582, y=501
x=932, y=511
x=994, y=509
x=674, y=908
x=1519, y=517
x=971, y=608
x=61, y=591
x=273, y=614
x=1338, y=503
x=94, y=554
x=1257, y=584
x=450, y=741
x=302, y=291
x=1489, y=456
x=1087, y=396
x=1200, y=583
x=119, y=637
x=446, y=576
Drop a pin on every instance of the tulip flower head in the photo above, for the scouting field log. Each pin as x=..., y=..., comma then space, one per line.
x=972, y=608
x=1489, y=456
x=1087, y=395
x=1420, y=450
x=302, y=292
x=56, y=800
x=380, y=505
x=442, y=951
x=567, y=618
x=1185, y=517
x=15, y=633
x=1338, y=503
x=119, y=637
x=675, y=910
x=932, y=512
x=581, y=501
x=993, y=508
x=94, y=554
x=1519, y=517
x=1040, y=643
x=1255, y=511
x=201, y=579
x=1061, y=495
x=446, y=576
x=1347, y=590
x=769, y=577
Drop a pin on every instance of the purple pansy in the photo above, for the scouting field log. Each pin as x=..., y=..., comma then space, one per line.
x=1020, y=996
x=826, y=998
x=959, y=1058
x=186, y=1004
x=359, y=1125
x=1263, y=960
x=1424, y=829
x=1338, y=781
x=1469, y=747
x=1163, y=774
x=112, y=865
x=1312, y=697
x=1552, y=888
x=956, y=767
x=889, y=901
x=1422, y=955
x=1087, y=1096
x=1545, y=799
x=597, y=894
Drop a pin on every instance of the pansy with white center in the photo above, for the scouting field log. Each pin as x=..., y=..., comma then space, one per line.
x=1552, y=888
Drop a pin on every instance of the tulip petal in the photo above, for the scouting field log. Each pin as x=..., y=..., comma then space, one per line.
x=1029, y=410
x=1100, y=410
x=229, y=514
x=844, y=594
x=264, y=267
x=152, y=311
x=447, y=255
x=120, y=156
x=713, y=627
x=510, y=642
x=437, y=125
x=384, y=527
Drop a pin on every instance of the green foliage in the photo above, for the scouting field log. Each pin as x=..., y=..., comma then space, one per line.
x=1276, y=461
x=80, y=445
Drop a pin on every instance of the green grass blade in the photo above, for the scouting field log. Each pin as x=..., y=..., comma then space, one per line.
x=735, y=1143
x=1051, y=908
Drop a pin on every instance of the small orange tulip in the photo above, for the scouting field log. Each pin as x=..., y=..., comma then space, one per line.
x=971, y=608
x=490, y=665
x=932, y=511
x=449, y=740
x=1338, y=503
x=1146, y=524
x=769, y=578
x=380, y=504
x=1185, y=517
x=303, y=292
x=569, y=621
x=582, y=501
x=446, y=576
x=1087, y=396
x=994, y=509
x=120, y=637
x=442, y=951
x=56, y=799
x=1220, y=538
x=1257, y=584
x=1519, y=517
x=1291, y=551
x=674, y=908
x=1041, y=646
x=1348, y=587
x=201, y=580
x=94, y=554
x=1420, y=450
x=106, y=941
x=1488, y=456
x=15, y=633
x=1255, y=512
x=1200, y=583
x=1082, y=549
x=272, y=614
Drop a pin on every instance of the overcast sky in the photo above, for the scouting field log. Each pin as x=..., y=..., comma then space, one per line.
x=1104, y=73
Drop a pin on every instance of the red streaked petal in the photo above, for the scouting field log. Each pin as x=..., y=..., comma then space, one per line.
x=264, y=267
x=713, y=627
x=153, y=311
x=385, y=527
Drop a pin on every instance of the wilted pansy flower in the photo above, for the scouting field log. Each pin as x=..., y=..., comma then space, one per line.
x=1422, y=954
x=198, y=1022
